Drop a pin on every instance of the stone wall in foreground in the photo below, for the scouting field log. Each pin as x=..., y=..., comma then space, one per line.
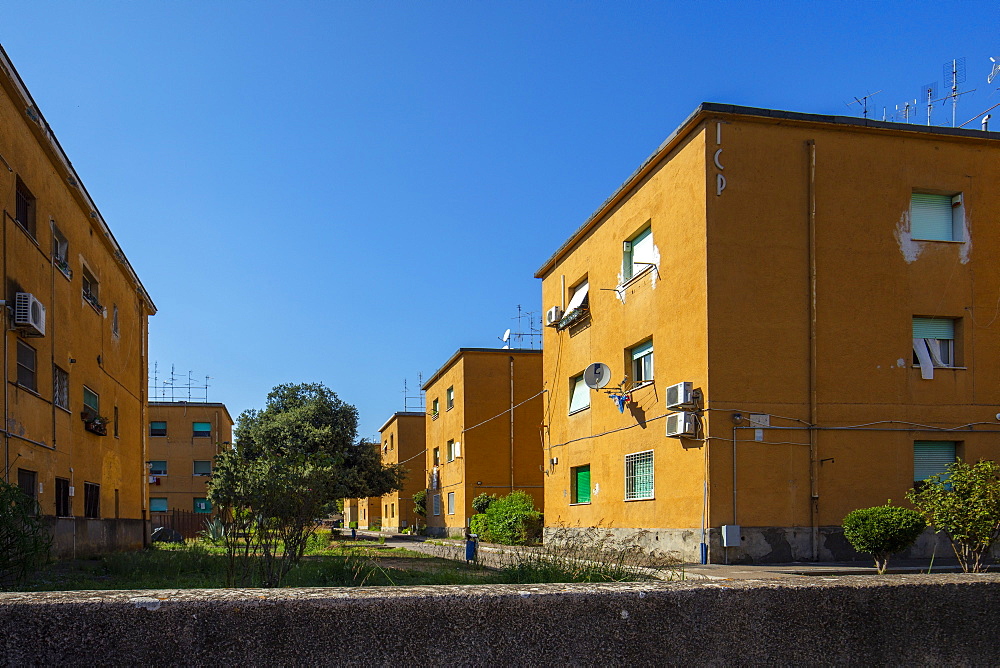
x=894, y=619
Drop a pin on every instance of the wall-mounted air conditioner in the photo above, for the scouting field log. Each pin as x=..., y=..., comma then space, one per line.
x=681, y=424
x=679, y=396
x=29, y=314
x=553, y=316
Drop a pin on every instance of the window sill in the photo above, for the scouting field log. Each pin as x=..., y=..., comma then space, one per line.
x=579, y=410
x=944, y=368
x=98, y=309
x=581, y=503
x=26, y=231
x=27, y=389
x=943, y=241
x=68, y=273
x=645, y=498
x=641, y=384
x=642, y=272
x=435, y=416
x=64, y=408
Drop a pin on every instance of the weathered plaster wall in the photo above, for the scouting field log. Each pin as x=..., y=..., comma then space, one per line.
x=860, y=620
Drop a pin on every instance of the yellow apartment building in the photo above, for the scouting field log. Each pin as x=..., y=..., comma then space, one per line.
x=484, y=432
x=798, y=317
x=75, y=321
x=403, y=442
x=351, y=512
x=184, y=438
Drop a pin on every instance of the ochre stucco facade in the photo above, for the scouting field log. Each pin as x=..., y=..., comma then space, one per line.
x=494, y=414
x=403, y=438
x=74, y=397
x=786, y=282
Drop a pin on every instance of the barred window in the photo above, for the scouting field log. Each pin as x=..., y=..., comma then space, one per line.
x=639, y=475
x=60, y=387
x=91, y=500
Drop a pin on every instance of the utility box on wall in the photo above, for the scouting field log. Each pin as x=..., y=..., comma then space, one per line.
x=730, y=535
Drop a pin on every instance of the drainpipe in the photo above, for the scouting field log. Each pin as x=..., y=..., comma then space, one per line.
x=511, y=423
x=813, y=445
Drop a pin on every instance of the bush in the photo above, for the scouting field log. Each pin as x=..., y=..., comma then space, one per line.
x=420, y=503
x=513, y=520
x=482, y=502
x=964, y=502
x=24, y=541
x=478, y=526
x=882, y=531
x=375, y=525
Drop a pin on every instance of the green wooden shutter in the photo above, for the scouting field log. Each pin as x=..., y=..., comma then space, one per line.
x=933, y=328
x=930, y=217
x=931, y=458
x=581, y=484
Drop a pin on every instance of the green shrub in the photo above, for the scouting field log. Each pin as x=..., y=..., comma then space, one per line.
x=24, y=540
x=513, y=520
x=375, y=525
x=478, y=526
x=882, y=531
x=354, y=525
x=482, y=502
x=420, y=503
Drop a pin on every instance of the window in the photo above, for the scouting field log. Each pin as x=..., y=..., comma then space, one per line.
x=91, y=289
x=437, y=504
x=435, y=409
x=937, y=217
x=158, y=467
x=202, y=506
x=437, y=456
x=91, y=402
x=115, y=332
x=116, y=422
x=450, y=398
x=392, y=442
x=580, y=484
x=451, y=503
x=158, y=504
x=24, y=211
x=91, y=500
x=579, y=394
x=637, y=254
x=933, y=344
x=931, y=458
x=642, y=363
x=27, y=481
x=158, y=428
x=60, y=251
x=201, y=429
x=639, y=475
x=63, y=508
x=27, y=375
x=451, y=451
x=577, y=307
x=392, y=509
x=202, y=467
x=60, y=387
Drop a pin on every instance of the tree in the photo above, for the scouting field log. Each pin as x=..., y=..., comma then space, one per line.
x=420, y=503
x=482, y=502
x=24, y=541
x=289, y=465
x=883, y=531
x=964, y=502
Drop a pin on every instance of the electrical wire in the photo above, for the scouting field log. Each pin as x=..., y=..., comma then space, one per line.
x=504, y=412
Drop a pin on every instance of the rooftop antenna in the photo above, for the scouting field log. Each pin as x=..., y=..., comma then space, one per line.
x=954, y=74
x=413, y=403
x=506, y=339
x=993, y=71
x=863, y=102
x=906, y=111
x=533, y=335
x=929, y=92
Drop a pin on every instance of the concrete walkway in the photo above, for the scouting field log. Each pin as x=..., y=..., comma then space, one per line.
x=455, y=549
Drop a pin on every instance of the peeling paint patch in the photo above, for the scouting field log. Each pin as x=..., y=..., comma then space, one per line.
x=907, y=246
x=656, y=261
x=966, y=249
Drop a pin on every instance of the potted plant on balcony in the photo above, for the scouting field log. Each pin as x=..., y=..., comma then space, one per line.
x=94, y=423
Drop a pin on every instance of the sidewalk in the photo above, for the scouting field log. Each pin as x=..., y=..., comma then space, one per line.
x=451, y=548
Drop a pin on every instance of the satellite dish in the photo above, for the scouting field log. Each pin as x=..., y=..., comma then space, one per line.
x=597, y=375
x=506, y=336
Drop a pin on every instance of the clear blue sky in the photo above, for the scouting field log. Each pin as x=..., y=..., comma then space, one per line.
x=348, y=192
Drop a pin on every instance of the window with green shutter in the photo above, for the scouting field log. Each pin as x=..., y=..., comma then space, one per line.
x=936, y=217
x=580, y=476
x=931, y=458
x=158, y=504
x=201, y=429
x=202, y=506
x=639, y=476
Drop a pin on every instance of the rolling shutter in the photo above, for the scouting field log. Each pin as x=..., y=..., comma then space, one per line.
x=930, y=217
x=931, y=458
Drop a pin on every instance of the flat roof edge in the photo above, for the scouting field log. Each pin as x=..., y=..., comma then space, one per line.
x=461, y=351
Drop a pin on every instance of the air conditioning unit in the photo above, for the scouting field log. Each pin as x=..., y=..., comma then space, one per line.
x=679, y=396
x=681, y=424
x=29, y=314
x=553, y=316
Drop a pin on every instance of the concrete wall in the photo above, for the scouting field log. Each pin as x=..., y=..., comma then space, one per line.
x=74, y=537
x=860, y=620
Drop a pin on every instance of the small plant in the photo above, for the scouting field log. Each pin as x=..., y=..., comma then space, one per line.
x=964, y=502
x=420, y=503
x=482, y=502
x=883, y=531
x=214, y=531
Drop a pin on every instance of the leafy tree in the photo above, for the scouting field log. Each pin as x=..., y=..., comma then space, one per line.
x=289, y=465
x=482, y=502
x=24, y=540
x=420, y=503
x=964, y=502
x=883, y=531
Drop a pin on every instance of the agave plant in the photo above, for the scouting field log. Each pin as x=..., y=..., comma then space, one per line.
x=214, y=531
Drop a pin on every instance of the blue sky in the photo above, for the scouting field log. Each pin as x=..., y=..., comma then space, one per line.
x=348, y=192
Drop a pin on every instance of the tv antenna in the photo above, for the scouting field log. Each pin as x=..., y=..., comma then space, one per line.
x=954, y=74
x=904, y=113
x=929, y=92
x=993, y=71
x=414, y=402
x=863, y=102
x=512, y=339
